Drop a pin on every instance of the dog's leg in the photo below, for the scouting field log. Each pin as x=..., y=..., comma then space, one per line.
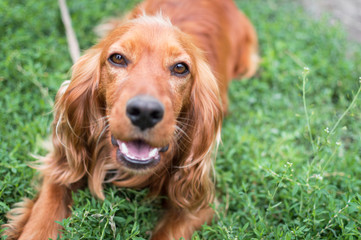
x=18, y=217
x=248, y=59
x=179, y=223
x=36, y=219
x=223, y=90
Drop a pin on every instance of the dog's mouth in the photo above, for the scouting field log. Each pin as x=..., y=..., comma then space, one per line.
x=137, y=154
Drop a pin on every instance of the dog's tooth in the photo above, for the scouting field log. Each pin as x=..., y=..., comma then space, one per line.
x=153, y=152
x=124, y=148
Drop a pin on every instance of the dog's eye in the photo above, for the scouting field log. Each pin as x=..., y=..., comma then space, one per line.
x=118, y=60
x=180, y=69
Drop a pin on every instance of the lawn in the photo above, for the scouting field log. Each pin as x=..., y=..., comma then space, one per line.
x=281, y=173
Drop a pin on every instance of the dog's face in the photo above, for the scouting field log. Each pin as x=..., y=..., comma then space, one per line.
x=146, y=79
x=142, y=100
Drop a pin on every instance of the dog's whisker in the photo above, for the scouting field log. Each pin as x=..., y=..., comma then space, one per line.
x=185, y=119
x=106, y=118
x=185, y=124
x=180, y=133
x=102, y=132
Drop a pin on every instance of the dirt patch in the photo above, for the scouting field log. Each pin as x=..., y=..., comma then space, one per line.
x=348, y=12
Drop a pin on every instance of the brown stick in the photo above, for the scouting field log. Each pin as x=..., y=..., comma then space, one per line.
x=70, y=34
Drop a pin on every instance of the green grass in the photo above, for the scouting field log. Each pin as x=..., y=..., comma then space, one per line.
x=280, y=174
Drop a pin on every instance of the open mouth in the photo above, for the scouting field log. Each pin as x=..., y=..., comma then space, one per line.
x=137, y=154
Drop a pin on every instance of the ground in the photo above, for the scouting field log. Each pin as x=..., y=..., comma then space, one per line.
x=347, y=12
x=289, y=163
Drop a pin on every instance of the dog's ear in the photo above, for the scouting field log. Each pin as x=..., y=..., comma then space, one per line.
x=103, y=29
x=78, y=127
x=191, y=185
x=108, y=25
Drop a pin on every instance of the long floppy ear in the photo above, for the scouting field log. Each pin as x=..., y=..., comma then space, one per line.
x=191, y=186
x=108, y=25
x=79, y=127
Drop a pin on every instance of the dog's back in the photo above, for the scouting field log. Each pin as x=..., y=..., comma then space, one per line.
x=219, y=29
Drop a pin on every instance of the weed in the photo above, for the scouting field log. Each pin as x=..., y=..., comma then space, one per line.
x=289, y=166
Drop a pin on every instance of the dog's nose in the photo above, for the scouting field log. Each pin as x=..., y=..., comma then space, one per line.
x=144, y=111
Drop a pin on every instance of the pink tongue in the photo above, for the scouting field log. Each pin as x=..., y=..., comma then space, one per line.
x=138, y=149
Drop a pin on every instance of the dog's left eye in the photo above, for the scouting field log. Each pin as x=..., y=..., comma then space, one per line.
x=180, y=69
x=118, y=60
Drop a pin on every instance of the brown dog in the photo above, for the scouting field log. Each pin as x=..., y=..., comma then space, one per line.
x=146, y=100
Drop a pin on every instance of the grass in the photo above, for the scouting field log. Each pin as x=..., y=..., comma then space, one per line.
x=290, y=163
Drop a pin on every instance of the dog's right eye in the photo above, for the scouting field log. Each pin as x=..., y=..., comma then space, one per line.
x=118, y=60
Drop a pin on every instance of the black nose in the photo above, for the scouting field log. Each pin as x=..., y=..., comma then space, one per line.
x=144, y=111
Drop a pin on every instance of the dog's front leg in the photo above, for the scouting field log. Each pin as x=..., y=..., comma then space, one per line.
x=181, y=223
x=51, y=205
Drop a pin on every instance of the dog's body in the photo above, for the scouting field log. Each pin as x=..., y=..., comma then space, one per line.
x=146, y=101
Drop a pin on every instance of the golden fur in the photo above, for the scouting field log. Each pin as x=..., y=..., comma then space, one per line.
x=217, y=42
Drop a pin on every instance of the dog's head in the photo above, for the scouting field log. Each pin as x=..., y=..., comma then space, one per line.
x=141, y=100
x=146, y=80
